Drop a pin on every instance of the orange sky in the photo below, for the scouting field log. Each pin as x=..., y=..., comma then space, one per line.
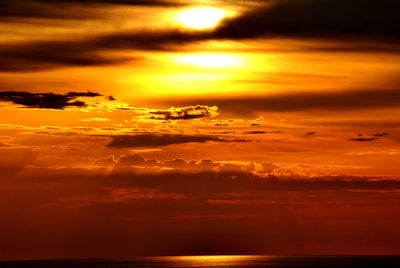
x=163, y=127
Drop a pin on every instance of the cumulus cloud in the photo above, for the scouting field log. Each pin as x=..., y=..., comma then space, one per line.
x=153, y=139
x=182, y=113
x=47, y=100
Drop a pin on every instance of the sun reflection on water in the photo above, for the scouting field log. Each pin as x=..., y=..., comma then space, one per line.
x=210, y=260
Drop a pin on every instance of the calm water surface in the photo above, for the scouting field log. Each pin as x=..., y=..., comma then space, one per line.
x=220, y=261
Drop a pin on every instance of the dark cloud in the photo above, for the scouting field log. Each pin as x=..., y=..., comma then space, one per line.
x=374, y=137
x=118, y=2
x=350, y=20
x=262, y=132
x=255, y=132
x=46, y=100
x=150, y=140
x=311, y=133
x=190, y=112
x=362, y=139
x=42, y=55
x=333, y=100
x=303, y=18
x=11, y=10
x=317, y=18
x=50, y=55
x=381, y=134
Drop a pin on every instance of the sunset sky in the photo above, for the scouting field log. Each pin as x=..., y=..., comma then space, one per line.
x=171, y=127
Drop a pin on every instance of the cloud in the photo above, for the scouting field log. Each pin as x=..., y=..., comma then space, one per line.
x=13, y=160
x=262, y=132
x=47, y=55
x=302, y=18
x=66, y=9
x=362, y=139
x=46, y=100
x=381, y=134
x=255, y=132
x=298, y=101
x=117, y=2
x=151, y=139
x=136, y=163
x=328, y=19
x=374, y=137
x=317, y=18
x=184, y=113
x=43, y=55
x=119, y=214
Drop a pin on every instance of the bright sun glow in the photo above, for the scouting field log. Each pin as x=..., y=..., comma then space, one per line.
x=209, y=60
x=200, y=17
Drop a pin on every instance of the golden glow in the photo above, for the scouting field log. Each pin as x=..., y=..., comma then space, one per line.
x=211, y=260
x=215, y=257
x=210, y=60
x=200, y=17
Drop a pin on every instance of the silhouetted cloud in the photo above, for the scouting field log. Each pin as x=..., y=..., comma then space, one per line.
x=304, y=18
x=374, y=137
x=47, y=55
x=46, y=100
x=262, y=132
x=42, y=55
x=362, y=139
x=317, y=18
x=255, y=132
x=190, y=112
x=118, y=2
x=147, y=140
x=311, y=133
x=381, y=134
x=293, y=18
x=66, y=9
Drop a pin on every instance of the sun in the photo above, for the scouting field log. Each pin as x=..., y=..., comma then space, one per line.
x=200, y=17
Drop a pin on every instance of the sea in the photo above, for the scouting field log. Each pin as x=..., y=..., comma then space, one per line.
x=216, y=261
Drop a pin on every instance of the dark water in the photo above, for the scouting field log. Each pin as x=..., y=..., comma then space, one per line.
x=220, y=261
